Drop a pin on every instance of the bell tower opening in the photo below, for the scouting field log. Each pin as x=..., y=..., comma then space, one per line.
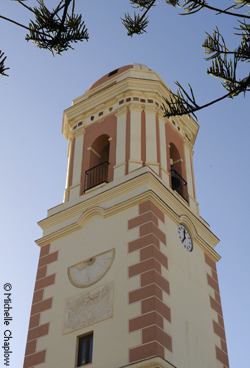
x=98, y=163
x=177, y=182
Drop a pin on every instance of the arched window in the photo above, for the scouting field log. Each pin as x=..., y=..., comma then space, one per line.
x=175, y=159
x=177, y=181
x=98, y=162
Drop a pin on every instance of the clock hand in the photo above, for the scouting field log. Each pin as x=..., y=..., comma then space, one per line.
x=184, y=236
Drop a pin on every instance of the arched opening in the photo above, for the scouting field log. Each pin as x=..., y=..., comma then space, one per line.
x=175, y=159
x=177, y=181
x=98, y=162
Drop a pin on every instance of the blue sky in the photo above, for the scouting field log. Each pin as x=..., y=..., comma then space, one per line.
x=33, y=150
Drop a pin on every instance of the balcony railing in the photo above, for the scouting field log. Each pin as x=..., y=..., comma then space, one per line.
x=96, y=175
x=179, y=184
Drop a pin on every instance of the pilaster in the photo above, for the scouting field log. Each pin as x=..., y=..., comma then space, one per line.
x=120, y=167
x=75, y=188
x=163, y=151
x=135, y=161
x=151, y=141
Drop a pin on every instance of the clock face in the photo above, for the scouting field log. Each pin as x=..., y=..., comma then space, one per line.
x=90, y=271
x=185, y=237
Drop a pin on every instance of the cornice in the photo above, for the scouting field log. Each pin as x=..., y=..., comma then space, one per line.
x=125, y=85
x=151, y=188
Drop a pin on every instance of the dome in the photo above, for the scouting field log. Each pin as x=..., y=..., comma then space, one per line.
x=116, y=72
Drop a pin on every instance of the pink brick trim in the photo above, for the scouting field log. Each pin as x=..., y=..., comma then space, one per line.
x=153, y=284
x=142, y=219
x=38, y=332
x=150, y=227
x=38, y=296
x=143, y=293
x=210, y=262
x=34, y=359
x=217, y=297
x=151, y=277
x=222, y=357
x=46, y=281
x=154, y=333
x=152, y=318
x=41, y=272
x=146, y=351
x=219, y=330
x=44, y=250
x=150, y=206
x=151, y=251
x=215, y=303
x=214, y=284
x=143, y=242
x=30, y=347
x=221, y=321
x=144, y=266
x=153, y=303
x=34, y=321
x=216, y=306
x=39, y=305
x=49, y=258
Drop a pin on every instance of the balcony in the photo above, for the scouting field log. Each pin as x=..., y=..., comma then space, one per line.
x=179, y=184
x=96, y=175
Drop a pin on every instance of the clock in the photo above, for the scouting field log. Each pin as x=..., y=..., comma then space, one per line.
x=91, y=270
x=185, y=237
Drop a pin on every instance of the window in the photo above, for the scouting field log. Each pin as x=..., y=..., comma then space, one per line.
x=113, y=72
x=85, y=350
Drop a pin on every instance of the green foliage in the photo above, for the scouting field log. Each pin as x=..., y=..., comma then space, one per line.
x=139, y=23
x=54, y=30
x=180, y=103
x=2, y=65
x=224, y=62
x=57, y=29
x=134, y=26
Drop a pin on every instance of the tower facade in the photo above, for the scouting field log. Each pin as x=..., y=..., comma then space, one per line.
x=127, y=268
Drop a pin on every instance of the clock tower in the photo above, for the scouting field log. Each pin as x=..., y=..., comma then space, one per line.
x=127, y=268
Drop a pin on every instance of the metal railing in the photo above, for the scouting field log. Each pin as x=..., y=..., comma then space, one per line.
x=179, y=184
x=96, y=175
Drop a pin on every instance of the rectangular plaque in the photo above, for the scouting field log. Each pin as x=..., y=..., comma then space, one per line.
x=89, y=308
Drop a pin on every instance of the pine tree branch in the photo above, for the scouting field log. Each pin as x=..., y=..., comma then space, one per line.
x=21, y=25
x=147, y=9
x=200, y=4
x=21, y=2
x=138, y=24
x=178, y=105
x=3, y=68
x=66, y=5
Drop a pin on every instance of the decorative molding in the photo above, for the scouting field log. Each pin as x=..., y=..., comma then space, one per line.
x=135, y=162
x=184, y=220
x=75, y=186
x=121, y=164
x=121, y=112
x=154, y=189
x=152, y=163
x=165, y=171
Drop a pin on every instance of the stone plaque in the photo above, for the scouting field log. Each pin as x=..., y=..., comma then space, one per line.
x=89, y=308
